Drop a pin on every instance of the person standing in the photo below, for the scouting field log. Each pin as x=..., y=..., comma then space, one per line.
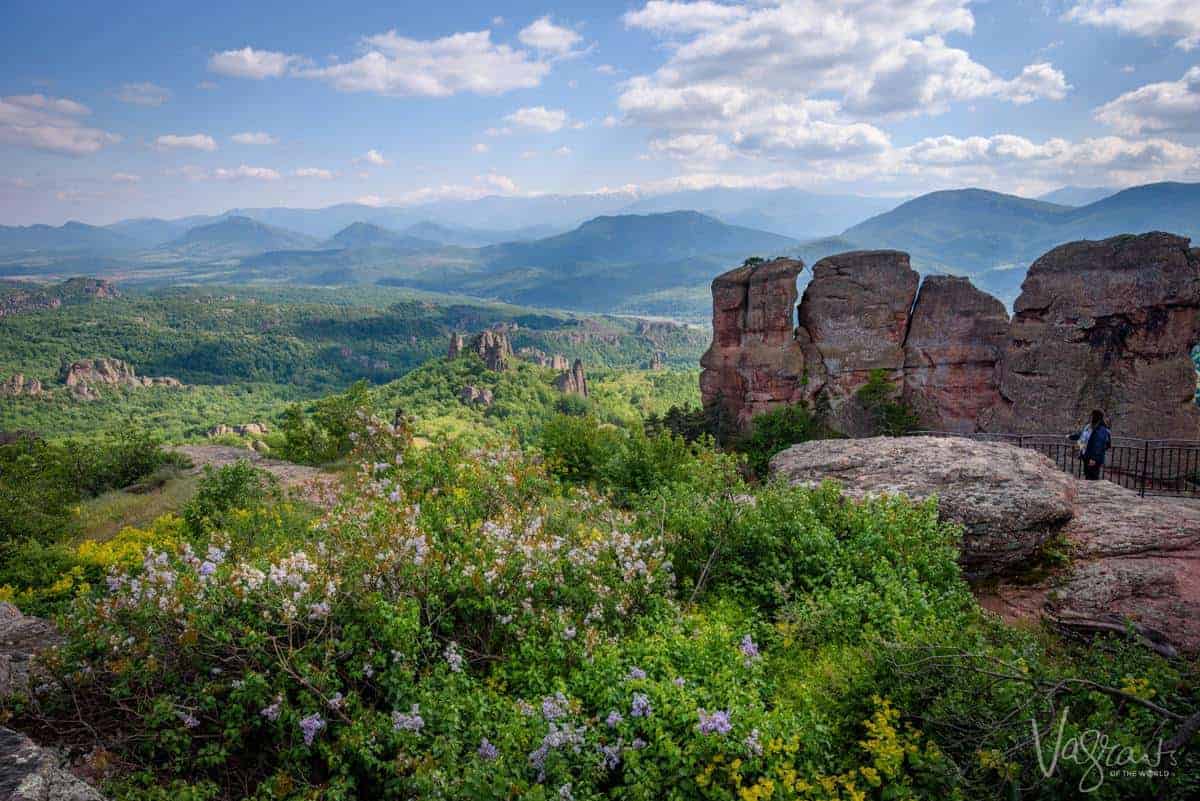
x=1095, y=446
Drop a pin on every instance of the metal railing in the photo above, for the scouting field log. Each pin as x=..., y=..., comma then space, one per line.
x=1148, y=466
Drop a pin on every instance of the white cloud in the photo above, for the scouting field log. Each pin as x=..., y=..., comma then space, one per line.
x=1165, y=106
x=610, y=121
x=539, y=117
x=498, y=131
x=481, y=147
x=464, y=62
x=672, y=17
x=692, y=148
x=1175, y=20
x=314, y=172
x=254, y=138
x=562, y=152
x=143, y=94
x=251, y=63
x=544, y=35
x=488, y=184
x=606, y=69
x=245, y=172
x=196, y=141
x=50, y=124
x=372, y=157
x=126, y=178
x=371, y=200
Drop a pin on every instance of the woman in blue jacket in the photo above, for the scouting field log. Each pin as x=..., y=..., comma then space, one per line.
x=1097, y=444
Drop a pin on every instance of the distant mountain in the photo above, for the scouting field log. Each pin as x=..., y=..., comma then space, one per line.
x=1167, y=206
x=1077, y=195
x=475, y=237
x=365, y=235
x=150, y=232
x=71, y=236
x=237, y=236
x=791, y=212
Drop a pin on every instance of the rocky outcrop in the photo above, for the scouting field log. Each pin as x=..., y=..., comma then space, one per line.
x=853, y=320
x=573, y=381
x=1008, y=500
x=492, y=346
x=1107, y=325
x=21, y=637
x=476, y=396
x=456, y=346
x=1134, y=562
x=754, y=362
x=84, y=377
x=18, y=385
x=23, y=302
x=29, y=772
x=74, y=290
x=956, y=337
x=253, y=430
x=541, y=359
x=658, y=360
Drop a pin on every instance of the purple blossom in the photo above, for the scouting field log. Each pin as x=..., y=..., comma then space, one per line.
x=310, y=726
x=612, y=756
x=487, y=751
x=454, y=657
x=716, y=723
x=189, y=720
x=614, y=719
x=271, y=712
x=636, y=672
x=337, y=701
x=679, y=681
x=752, y=743
x=640, y=708
x=411, y=722
x=554, y=707
x=748, y=648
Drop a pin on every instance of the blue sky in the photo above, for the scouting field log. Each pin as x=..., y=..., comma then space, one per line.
x=119, y=109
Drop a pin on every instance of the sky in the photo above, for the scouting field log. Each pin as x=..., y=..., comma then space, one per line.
x=118, y=109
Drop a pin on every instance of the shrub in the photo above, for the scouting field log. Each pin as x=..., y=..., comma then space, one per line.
x=234, y=486
x=774, y=430
x=887, y=415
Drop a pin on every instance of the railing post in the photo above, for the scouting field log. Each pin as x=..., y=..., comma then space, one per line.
x=1145, y=467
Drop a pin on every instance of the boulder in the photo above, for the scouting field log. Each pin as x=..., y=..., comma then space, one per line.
x=573, y=381
x=956, y=336
x=18, y=385
x=853, y=320
x=29, y=772
x=559, y=362
x=21, y=637
x=83, y=377
x=1009, y=500
x=476, y=396
x=1107, y=325
x=494, y=348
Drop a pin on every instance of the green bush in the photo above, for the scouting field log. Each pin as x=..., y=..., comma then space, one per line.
x=772, y=431
x=223, y=490
x=887, y=414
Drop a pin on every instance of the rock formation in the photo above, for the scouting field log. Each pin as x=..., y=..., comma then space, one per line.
x=853, y=320
x=754, y=362
x=658, y=360
x=559, y=362
x=956, y=336
x=1008, y=499
x=1135, y=561
x=573, y=381
x=476, y=396
x=17, y=385
x=85, y=376
x=456, y=346
x=541, y=359
x=73, y=290
x=494, y=348
x=254, y=430
x=1107, y=325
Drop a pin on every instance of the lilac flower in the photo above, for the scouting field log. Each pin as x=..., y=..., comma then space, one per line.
x=636, y=672
x=271, y=712
x=640, y=707
x=554, y=707
x=189, y=720
x=557, y=738
x=612, y=756
x=748, y=649
x=454, y=657
x=487, y=751
x=411, y=722
x=564, y=792
x=318, y=611
x=310, y=726
x=614, y=719
x=752, y=743
x=337, y=701
x=679, y=681
x=207, y=569
x=716, y=723
x=637, y=744
x=368, y=671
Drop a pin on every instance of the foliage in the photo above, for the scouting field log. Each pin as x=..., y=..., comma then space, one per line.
x=887, y=415
x=776, y=429
x=235, y=486
x=330, y=431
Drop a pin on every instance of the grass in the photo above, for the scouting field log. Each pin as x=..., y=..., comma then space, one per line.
x=103, y=516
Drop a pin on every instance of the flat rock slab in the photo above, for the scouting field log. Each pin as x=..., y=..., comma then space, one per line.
x=1008, y=500
x=218, y=456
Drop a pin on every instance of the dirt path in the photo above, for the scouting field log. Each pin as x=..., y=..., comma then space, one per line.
x=289, y=475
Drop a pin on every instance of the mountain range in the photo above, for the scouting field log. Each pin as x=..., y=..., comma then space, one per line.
x=658, y=260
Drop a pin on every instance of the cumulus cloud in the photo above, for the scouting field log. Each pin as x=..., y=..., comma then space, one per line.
x=50, y=124
x=251, y=63
x=803, y=79
x=1165, y=106
x=254, y=138
x=314, y=172
x=562, y=152
x=373, y=157
x=544, y=35
x=463, y=62
x=143, y=94
x=692, y=147
x=245, y=172
x=481, y=147
x=539, y=118
x=197, y=141
x=1174, y=20
x=126, y=178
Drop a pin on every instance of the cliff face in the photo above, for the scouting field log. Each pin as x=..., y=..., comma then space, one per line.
x=573, y=381
x=1106, y=325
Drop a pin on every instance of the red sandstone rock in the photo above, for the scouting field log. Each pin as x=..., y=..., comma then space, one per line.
x=573, y=381
x=1106, y=325
x=956, y=336
x=853, y=320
